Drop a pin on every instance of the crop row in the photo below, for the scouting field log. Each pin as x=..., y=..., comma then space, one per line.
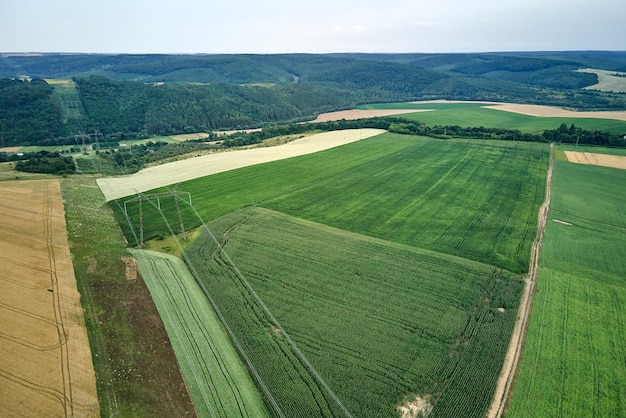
x=372, y=317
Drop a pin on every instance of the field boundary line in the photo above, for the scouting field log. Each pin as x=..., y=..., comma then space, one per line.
x=504, y=389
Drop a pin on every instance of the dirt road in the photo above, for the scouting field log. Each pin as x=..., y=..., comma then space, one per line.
x=510, y=367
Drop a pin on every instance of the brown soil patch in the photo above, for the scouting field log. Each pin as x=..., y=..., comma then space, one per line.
x=131, y=268
x=11, y=149
x=418, y=407
x=189, y=137
x=604, y=160
x=92, y=264
x=45, y=366
x=234, y=131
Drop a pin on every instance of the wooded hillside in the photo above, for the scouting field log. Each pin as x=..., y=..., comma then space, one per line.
x=131, y=96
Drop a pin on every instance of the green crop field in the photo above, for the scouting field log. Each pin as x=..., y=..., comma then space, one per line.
x=379, y=322
x=378, y=273
x=471, y=198
x=217, y=379
x=476, y=115
x=573, y=363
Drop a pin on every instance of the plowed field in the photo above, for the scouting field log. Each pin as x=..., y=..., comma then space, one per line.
x=45, y=366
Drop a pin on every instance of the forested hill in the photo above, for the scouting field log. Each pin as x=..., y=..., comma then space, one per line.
x=143, y=95
x=28, y=113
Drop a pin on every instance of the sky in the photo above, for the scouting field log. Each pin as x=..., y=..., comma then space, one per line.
x=323, y=26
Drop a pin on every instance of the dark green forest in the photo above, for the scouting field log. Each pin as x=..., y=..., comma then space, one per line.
x=139, y=96
x=28, y=114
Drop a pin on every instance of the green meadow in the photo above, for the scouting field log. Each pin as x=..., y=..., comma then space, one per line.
x=573, y=363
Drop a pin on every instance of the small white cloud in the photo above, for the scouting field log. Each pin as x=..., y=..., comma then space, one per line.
x=358, y=27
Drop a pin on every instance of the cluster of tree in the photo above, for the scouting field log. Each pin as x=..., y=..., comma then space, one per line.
x=126, y=160
x=575, y=135
x=27, y=112
x=20, y=156
x=49, y=163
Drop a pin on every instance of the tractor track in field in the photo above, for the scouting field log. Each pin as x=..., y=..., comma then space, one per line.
x=504, y=389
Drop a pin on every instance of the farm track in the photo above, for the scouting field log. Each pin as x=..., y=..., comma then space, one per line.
x=509, y=370
x=68, y=402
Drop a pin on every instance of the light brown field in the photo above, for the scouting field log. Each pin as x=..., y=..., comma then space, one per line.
x=557, y=112
x=183, y=170
x=11, y=149
x=603, y=160
x=611, y=81
x=188, y=137
x=540, y=111
x=363, y=114
x=45, y=367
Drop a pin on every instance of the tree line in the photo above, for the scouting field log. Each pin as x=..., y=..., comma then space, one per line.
x=125, y=160
x=49, y=163
x=563, y=134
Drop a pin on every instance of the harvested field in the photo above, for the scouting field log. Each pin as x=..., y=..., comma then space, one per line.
x=557, y=112
x=178, y=171
x=45, y=367
x=611, y=81
x=363, y=114
x=189, y=137
x=11, y=149
x=542, y=111
x=234, y=131
x=590, y=158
